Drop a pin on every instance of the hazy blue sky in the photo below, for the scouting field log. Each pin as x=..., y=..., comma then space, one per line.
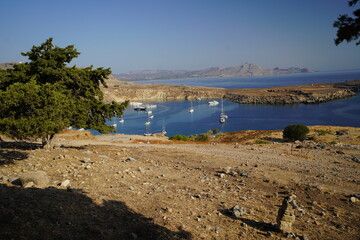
x=129, y=35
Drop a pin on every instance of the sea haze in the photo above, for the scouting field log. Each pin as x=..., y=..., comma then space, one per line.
x=174, y=115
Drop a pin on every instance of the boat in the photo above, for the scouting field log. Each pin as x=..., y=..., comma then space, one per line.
x=140, y=108
x=121, y=120
x=147, y=122
x=136, y=104
x=151, y=116
x=213, y=103
x=164, y=131
x=191, y=109
x=149, y=112
x=222, y=119
x=223, y=116
x=150, y=106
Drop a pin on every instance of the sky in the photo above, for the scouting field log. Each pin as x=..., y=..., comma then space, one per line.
x=131, y=35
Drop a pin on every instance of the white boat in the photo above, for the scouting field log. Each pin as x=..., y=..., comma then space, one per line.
x=213, y=103
x=151, y=116
x=82, y=129
x=164, y=131
x=149, y=112
x=191, y=109
x=114, y=125
x=147, y=123
x=150, y=106
x=223, y=116
x=222, y=119
x=121, y=120
x=135, y=104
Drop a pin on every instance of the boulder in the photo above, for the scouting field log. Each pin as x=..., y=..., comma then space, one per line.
x=39, y=178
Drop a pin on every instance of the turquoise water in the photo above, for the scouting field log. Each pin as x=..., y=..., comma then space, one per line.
x=174, y=116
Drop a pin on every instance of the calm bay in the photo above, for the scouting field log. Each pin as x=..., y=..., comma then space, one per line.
x=176, y=119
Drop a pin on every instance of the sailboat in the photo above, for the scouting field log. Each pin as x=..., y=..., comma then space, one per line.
x=163, y=130
x=148, y=121
x=191, y=109
x=223, y=116
x=114, y=121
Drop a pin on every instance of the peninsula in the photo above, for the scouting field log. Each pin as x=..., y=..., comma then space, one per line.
x=312, y=93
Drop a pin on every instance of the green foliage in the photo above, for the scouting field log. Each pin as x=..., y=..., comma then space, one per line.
x=348, y=27
x=43, y=96
x=202, y=137
x=322, y=132
x=215, y=131
x=179, y=137
x=295, y=132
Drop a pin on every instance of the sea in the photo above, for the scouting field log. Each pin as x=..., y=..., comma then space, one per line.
x=174, y=117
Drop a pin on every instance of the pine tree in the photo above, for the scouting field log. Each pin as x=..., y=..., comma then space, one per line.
x=43, y=96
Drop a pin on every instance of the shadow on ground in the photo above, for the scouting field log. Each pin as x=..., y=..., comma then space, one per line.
x=262, y=226
x=58, y=214
x=15, y=151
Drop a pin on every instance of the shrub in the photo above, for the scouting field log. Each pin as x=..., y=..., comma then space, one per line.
x=215, y=131
x=202, y=137
x=261, y=141
x=179, y=137
x=295, y=132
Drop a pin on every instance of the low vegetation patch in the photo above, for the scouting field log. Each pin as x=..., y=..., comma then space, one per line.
x=261, y=141
x=323, y=132
x=179, y=137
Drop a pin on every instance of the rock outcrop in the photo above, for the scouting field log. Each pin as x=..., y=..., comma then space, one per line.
x=286, y=214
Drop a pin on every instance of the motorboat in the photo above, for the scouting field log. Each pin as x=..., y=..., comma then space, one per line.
x=136, y=104
x=121, y=120
x=140, y=108
x=150, y=106
x=213, y=103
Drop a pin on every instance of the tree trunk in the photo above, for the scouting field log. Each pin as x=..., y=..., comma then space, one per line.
x=47, y=142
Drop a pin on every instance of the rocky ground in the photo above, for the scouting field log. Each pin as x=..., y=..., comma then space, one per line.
x=135, y=187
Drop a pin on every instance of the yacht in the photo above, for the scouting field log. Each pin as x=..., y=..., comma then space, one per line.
x=213, y=103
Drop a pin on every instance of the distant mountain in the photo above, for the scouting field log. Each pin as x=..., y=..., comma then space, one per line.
x=245, y=70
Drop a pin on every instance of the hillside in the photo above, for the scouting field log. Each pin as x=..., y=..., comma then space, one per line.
x=245, y=70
